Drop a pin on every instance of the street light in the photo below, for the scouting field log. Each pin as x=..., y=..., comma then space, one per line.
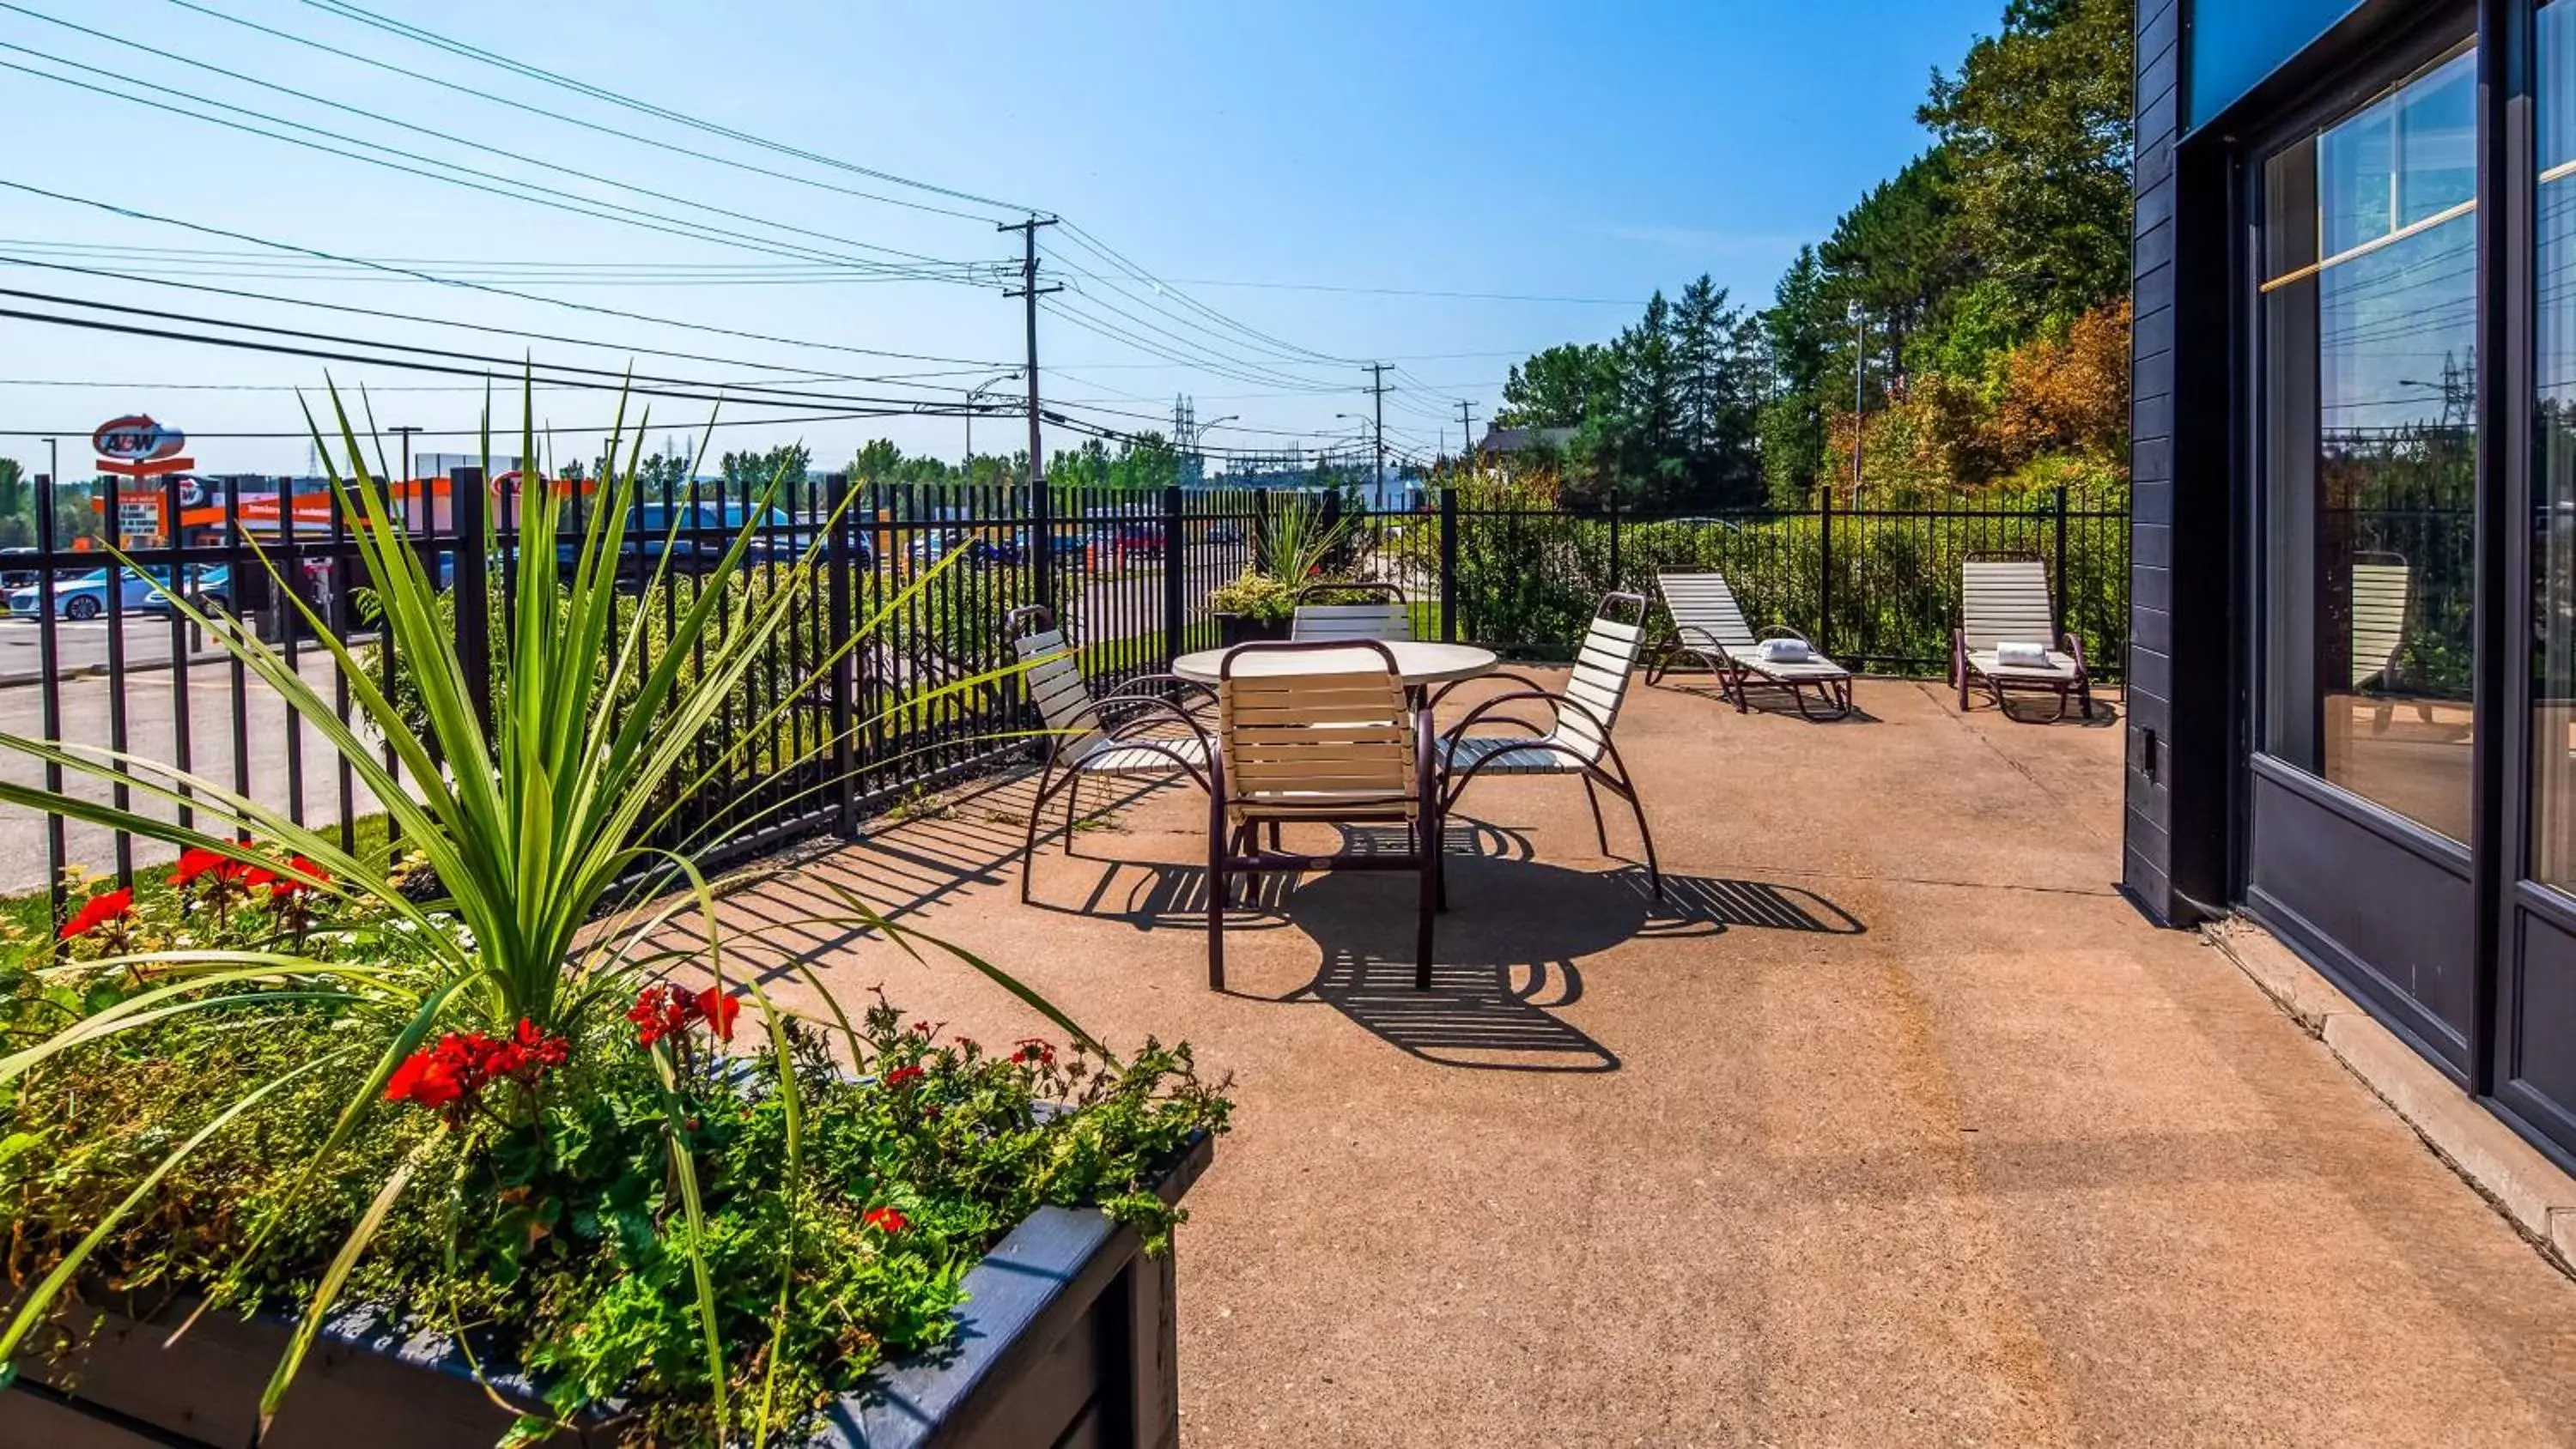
x=1858, y=320
x=978, y=390
x=1199, y=431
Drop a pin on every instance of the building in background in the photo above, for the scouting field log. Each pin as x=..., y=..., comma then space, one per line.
x=2353, y=669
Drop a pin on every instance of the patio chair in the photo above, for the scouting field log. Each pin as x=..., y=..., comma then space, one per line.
x=1104, y=736
x=2005, y=608
x=1709, y=626
x=1320, y=746
x=1576, y=741
x=1382, y=614
x=2383, y=588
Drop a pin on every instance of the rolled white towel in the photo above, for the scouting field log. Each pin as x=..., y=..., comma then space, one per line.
x=2022, y=656
x=1783, y=651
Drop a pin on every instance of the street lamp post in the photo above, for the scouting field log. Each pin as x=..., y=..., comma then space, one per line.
x=1198, y=435
x=973, y=393
x=1858, y=322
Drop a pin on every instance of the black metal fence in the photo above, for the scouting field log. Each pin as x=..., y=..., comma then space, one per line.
x=926, y=695
x=1875, y=588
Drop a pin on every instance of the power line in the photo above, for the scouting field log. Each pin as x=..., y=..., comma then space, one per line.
x=525, y=108
x=764, y=396
x=707, y=327
x=421, y=36
x=503, y=186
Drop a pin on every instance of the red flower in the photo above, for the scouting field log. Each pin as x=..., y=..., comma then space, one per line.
x=426, y=1077
x=885, y=1220
x=98, y=911
x=718, y=1010
x=902, y=1077
x=284, y=888
x=547, y=1050
x=661, y=1011
x=196, y=861
x=1035, y=1052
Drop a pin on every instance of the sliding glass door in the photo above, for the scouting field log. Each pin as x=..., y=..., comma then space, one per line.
x=2370, y=302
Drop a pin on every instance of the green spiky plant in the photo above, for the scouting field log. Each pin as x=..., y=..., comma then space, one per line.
x=555, y=906
x=1296, y=541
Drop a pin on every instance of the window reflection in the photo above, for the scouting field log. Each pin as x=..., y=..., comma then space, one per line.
x=2553, y=815
x=2371, y=382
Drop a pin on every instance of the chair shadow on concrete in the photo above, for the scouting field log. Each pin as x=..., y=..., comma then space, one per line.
x=1763, y=696
x=1508, y=954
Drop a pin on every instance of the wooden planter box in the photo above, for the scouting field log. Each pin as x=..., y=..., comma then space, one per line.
x=1233, y=629
x=1067, y=1338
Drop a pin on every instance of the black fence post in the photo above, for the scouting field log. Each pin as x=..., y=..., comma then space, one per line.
x=1261, y=530
x=1825, y=569
x=49, y=696
x=1614, y=542
x=1449, y=564
x=1175, y=557
x=2057, y=575
x=1041, y=531
x=471, y=518
x=837, y=581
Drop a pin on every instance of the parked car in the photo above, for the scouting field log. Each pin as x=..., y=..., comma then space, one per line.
x=212, y=593
x=84, y=596
x=17, y=569
x=1225, y=533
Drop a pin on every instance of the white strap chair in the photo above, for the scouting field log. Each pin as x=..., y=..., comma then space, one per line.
x=1316, y=740
x=1708, y=625
x=2006, y=601
x=1358, y=611
x=1126, y=733
x=1576, y=741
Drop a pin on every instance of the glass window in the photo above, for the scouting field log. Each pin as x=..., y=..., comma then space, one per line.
x=2370, y=385
x=2553, y=561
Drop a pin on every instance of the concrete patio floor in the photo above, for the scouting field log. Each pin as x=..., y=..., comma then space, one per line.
x=1894, y=1124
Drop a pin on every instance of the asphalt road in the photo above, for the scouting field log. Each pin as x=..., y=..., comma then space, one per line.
x=271, y=738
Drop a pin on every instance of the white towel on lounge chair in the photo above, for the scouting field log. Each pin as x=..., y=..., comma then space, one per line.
x=2021, y=656
x=1783, y=651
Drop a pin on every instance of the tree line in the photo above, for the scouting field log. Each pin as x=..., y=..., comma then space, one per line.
x=1979, y=296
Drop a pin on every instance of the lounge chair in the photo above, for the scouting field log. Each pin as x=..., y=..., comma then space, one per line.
x=1320, y=745
x=1380, y=613
x=1129, y=733
x=1709, y=626
x=2005, y=601
x=2383, y=587
x=1576, y=740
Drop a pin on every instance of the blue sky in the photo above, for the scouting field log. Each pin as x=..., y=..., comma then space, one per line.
x=1536, y=150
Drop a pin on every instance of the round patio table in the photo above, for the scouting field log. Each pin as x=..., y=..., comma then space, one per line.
x=1420, y=663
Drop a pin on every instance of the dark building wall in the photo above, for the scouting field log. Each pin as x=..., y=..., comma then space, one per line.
x=2148, y=867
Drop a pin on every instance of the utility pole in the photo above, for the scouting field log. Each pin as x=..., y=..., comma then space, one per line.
x=1859, y=321
x=405, y=432
x=1377, y=391
x=1040, y=526
x=1466, y=430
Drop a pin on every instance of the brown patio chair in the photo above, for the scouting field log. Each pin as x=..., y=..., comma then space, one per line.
x=1128, y=733
x=1576, y=741
x=1300, y=744
x=2006, y=601
x=1379, y=612
x=1708, y=625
